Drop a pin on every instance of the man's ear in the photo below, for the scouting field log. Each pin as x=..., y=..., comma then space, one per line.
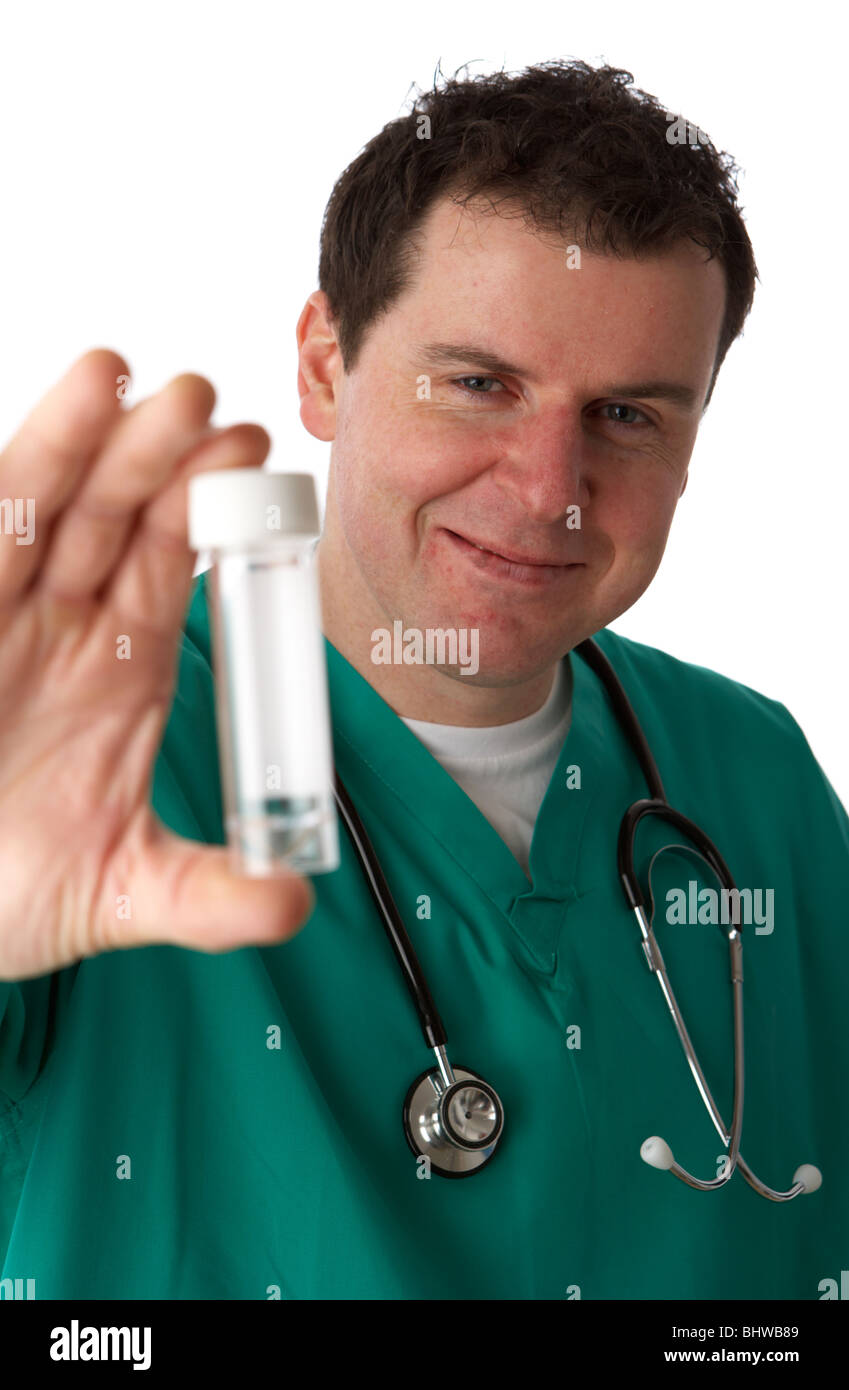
x=319, y=365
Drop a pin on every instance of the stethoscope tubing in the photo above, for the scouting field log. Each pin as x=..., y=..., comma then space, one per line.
x=431, y=1023
x=656, y=804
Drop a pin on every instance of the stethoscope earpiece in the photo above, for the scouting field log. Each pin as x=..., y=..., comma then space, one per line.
x=453, y=1117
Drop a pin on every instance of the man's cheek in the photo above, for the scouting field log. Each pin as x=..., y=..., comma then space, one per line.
x=641, y=524
x=633, y=559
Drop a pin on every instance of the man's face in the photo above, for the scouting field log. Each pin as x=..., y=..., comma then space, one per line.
x=423, y=471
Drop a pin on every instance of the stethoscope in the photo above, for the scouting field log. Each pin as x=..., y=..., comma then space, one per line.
x=451, y=1115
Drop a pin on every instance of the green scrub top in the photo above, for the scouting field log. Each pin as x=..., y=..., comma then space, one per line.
x=177, y=1125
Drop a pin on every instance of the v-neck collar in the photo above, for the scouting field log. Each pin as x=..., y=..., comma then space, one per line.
x=371, y=741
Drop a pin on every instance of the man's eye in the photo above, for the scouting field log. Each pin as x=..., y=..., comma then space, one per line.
x=473, y=391
x=619, y=419
x=479, y=387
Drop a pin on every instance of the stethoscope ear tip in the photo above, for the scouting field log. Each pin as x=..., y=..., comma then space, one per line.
x=657, y=1153
x=809, y=1176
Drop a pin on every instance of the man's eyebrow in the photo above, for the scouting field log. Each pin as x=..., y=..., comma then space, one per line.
x=440, y=354
x=671, y=391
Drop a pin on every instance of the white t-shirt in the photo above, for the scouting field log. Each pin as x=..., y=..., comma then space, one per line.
x=506, y=769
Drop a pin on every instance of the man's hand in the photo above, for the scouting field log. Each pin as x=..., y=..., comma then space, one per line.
x=79, y=728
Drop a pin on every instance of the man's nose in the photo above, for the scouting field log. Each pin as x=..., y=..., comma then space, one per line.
x=544, y=464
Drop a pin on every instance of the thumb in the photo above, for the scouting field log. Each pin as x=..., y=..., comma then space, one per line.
x=186, y=894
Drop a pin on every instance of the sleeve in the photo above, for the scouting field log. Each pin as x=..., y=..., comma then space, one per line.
x=28, y=1013
x=818, y=842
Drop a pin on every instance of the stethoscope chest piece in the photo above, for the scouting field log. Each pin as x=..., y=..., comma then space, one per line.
x=457, y=1127
x=452, y=1117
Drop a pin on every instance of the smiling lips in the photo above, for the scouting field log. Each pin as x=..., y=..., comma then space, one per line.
x=517, y=566
x=514, y=559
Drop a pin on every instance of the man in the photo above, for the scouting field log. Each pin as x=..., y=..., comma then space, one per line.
x=526, y=293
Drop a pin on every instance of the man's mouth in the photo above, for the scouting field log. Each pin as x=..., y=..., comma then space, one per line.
x=509, y=563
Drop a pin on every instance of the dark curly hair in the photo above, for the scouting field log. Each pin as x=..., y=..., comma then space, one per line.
x=580, y=150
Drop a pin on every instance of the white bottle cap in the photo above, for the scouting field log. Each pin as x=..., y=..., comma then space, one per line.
x=231, y=508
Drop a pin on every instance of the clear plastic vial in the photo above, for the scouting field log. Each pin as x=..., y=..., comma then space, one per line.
x=272, y=706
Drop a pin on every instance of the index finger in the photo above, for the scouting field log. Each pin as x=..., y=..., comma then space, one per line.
x=46, y=460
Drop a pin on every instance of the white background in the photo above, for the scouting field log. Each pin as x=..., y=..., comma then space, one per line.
x=164, y=170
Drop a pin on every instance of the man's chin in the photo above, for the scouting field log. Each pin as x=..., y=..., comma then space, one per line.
x=505, y=668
